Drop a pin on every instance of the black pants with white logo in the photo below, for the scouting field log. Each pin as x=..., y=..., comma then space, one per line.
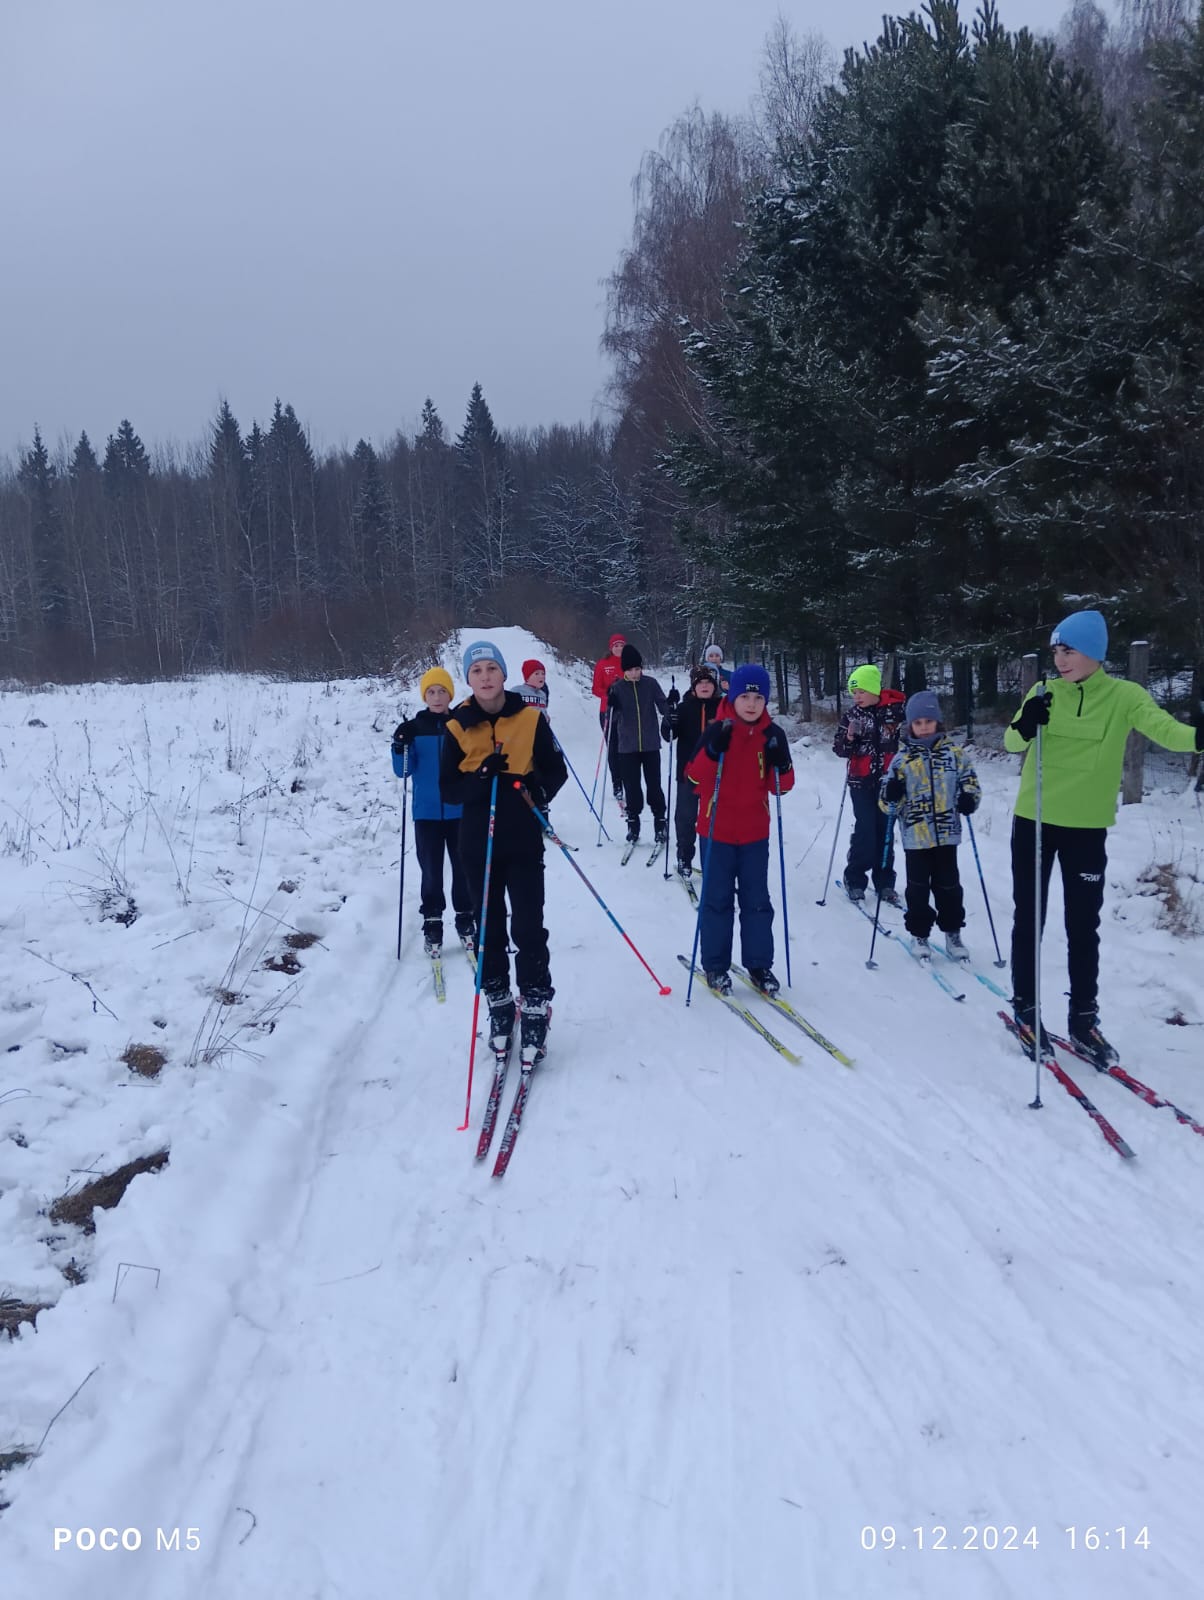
x=934, y=869
x=1083, y=857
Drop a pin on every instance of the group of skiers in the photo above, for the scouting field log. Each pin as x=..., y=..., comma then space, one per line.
x=731, y=758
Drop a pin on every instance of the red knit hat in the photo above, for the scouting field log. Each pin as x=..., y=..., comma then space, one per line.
x=617, y=639
x=532, y=666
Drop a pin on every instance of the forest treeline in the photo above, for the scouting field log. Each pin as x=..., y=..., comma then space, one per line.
x=908, y=357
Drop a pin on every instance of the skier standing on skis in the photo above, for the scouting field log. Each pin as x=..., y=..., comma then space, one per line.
x=687, y=722
x=607, y=672
x=735, y=830
x=494, y=735
x=417, y=747
x=712, y=658
x=867, y=737
x=534, y=688
x=932, y=785
x=636, y=705
x=1086, y=717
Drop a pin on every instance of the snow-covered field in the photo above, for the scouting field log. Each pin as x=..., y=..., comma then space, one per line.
x=725, y=1323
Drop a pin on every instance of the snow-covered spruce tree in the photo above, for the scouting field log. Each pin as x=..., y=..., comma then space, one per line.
x=947, y=175
x=1097, y=385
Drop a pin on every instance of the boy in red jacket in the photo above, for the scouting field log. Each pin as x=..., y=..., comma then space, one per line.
x=734, y=833
x=606, y=673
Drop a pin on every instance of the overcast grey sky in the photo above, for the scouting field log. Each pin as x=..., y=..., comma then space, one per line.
x=349, y=204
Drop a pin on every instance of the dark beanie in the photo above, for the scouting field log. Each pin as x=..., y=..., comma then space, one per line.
x=923, y=704
x=630, y=657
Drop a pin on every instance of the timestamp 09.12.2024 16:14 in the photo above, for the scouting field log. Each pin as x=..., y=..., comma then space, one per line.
x=990, y=1537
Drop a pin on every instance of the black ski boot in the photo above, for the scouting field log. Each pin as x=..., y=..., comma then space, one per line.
x=1025, y=1014
x=633, y=830
x=855, y=895
x=432, y=936
x=501, y=1016
x=721, y=982
x=466, y=932
x=535, y=1008
x=765, y=981
x=890, y=897
x=662, y=831
x=1083, y=1028
x=685, y=869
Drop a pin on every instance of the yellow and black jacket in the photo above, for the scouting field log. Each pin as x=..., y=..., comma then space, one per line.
x=532, y=756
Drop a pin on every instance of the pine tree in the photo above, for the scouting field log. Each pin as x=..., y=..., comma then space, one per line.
x=37, y=476
x=485, y=494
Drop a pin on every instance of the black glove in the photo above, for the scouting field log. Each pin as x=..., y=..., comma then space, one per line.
x=967, y=803
x=404, y=735
x=493, y=766
x=894, y=789
x=673, y=698
x=1034, y=714
x=1200, y=730
x=777, y=750
x=669, y=724
x=717, y=737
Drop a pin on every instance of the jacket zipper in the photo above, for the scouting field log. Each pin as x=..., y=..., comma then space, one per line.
x=639, y=721
x=1079, y=712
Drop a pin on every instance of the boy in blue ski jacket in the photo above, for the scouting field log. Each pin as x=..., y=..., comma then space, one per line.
x=417, y=748
x=933, y=785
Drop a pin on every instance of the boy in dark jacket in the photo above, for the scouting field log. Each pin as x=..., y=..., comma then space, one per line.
x=494, y=735
x=735, y=832
x=932, y=785
x=636, y=705
x=417, y=746
x=867, y=736
x=687, y=722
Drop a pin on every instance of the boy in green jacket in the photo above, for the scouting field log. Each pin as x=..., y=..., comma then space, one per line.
x=1087, y=717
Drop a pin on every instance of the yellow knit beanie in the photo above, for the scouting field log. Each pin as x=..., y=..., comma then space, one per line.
x=435, y=678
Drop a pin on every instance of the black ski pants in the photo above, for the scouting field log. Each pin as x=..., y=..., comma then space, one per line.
x=685, y=818
x=431, y=841
x=868, y=842
x=612, y=749
x=1083, y=857
x=933, y=870
x=645, y=764
x=515, y=874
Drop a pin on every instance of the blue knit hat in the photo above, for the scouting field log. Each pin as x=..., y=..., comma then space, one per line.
x=922, y=704
x=748, y=676
x=482, y=650
x=1085, y=631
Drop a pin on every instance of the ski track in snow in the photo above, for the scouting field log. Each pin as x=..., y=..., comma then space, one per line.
x=722, y=1313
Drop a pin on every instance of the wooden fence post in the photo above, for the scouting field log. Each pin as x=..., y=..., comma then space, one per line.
x=1131, y=784
x=1028, y=673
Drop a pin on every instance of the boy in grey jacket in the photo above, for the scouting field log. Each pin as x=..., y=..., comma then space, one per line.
x=636, y=705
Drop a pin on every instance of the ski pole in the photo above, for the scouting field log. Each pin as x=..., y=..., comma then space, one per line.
x=606, y=782
x=597, y=768
x=835, y=837
x=890, y=839
x=577, y=780
x=777, y=789
x=669, y=804
x=555, y=838
x=476, y=1004
x=706, y=867
x=401, y=885
x=1039, y=928
x=1000, y=962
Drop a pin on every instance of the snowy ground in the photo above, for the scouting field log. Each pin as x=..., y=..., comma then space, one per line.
x=725, y=1323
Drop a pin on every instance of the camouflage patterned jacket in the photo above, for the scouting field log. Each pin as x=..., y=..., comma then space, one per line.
x=928, y=814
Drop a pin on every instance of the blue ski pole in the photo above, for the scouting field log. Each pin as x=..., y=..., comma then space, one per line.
x=706, y=867
x=777, y=789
